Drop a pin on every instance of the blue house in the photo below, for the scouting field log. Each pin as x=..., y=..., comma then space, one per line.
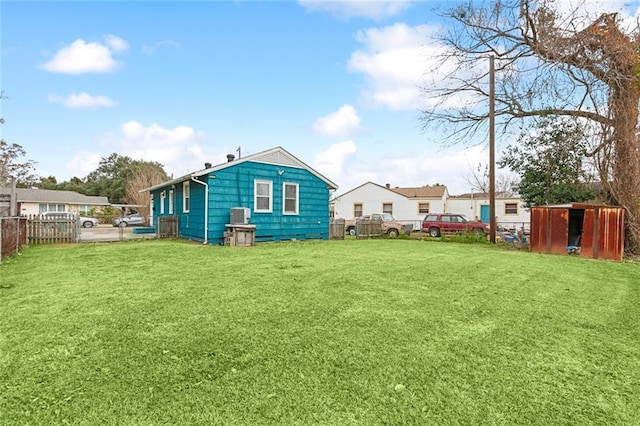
x=282, y=197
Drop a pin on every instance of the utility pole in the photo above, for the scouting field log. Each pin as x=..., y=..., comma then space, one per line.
x=492, y=150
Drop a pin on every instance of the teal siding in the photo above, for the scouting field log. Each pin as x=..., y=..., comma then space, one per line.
x=234, y=187
x=191, y=223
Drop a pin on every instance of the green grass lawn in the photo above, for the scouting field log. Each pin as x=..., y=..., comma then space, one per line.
x=334, y=333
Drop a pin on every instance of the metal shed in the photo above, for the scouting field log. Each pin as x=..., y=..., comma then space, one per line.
x=589, y=230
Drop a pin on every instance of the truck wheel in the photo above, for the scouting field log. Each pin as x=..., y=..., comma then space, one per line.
x=351, y=230
x=434, y=232
x=392, y=233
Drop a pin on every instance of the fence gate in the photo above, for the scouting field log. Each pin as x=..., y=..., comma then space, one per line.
x=336, y=229
x=368, y=229
x=168, y=227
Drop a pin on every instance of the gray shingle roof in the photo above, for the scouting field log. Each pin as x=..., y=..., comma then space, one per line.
x=31, y=195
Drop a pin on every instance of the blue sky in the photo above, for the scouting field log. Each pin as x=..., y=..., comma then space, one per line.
x=184, y=83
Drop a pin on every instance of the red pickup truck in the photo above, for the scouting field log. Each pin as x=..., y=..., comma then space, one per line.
x=436, y=224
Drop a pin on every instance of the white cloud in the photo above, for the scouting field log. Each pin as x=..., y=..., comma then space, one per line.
x=83, y=101
x=445, y=166
x=357, y=8
x=82, y=57
x=333, y=160
x=394, y=61
x=343, y=123
x=116, y=43
x=83, y=163
x=181, y=149
x=578, y=14
x=151, y=50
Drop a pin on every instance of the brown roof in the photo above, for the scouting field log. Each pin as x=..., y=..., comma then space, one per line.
x=421, y=191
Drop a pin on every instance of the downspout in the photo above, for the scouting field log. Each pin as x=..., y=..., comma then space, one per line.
x=206, y=208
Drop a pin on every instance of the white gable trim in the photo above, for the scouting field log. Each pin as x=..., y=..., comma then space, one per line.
x=276, y=156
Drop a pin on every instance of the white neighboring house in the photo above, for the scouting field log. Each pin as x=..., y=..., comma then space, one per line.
x=510, y=210
x=407, y=205
x=32, y=201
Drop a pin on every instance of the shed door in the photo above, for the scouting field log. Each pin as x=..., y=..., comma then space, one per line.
x=559, y=231
x=588, y=229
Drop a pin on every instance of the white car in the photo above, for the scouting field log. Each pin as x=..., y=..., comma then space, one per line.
x=85, y=222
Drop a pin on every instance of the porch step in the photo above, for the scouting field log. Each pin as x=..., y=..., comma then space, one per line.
x=144, y=230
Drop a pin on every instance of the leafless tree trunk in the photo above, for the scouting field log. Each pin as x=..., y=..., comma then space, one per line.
x=549, y=64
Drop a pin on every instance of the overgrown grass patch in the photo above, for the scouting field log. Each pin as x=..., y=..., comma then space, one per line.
x=338, y=332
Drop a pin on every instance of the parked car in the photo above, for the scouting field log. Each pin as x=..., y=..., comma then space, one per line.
x=85, y=222
x=390, y=226
x=436, y=224
x=134, y=219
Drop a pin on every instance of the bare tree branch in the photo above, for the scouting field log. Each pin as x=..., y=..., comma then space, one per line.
x=547, y=64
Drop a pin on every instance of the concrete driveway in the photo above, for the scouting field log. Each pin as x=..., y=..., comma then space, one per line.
x=105, y=233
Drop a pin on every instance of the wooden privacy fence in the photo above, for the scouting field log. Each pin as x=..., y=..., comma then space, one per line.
x=368, y=229
x=41, y=230
x=336, y=229
x=13, y=235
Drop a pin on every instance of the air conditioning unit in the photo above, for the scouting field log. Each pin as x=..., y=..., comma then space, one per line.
x=240, y=215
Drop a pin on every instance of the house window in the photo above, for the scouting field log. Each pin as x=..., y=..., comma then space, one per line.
x=387, y=208
x=171, y=201
x=163, y=195
x=357, y=209
x=185, y=197
x=423, y=208
x=263, y=196
x=84, y=209
x=44, y=207
x=510, y=208
x=290, y=205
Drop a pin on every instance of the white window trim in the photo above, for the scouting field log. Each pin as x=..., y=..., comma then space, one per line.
x=186, y=195
x=284, y=192
x=51, y=207
x=163, y=196
x=171, y=201
x=354, y=209
x=255, y=196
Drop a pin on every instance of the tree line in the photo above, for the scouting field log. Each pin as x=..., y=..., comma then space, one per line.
x=117, y=177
